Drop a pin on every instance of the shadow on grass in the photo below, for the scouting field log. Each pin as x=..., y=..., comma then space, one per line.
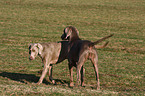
x=28, y=78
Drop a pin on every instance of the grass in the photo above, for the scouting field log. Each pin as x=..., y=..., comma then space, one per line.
x=121, y=63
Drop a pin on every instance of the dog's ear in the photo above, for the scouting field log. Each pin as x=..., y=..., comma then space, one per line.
x=77, y=31
x=40, y=48
x=65, y=30
x=68, y=32
x=30, y=45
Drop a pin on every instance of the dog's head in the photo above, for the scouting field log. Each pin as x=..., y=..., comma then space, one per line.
x=34, y=50
x=69, y=32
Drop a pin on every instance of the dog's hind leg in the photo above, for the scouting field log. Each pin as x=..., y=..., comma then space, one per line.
x=82, y=76
x=94, y=60
x=80, y=63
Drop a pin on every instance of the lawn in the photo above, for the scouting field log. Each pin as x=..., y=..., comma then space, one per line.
x=121, y=64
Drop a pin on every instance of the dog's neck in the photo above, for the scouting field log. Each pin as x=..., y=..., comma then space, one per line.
x=40, y=55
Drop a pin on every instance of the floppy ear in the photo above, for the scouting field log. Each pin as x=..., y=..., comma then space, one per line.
x=77, y=31
x=65, y=30
x=69, y=31
x=40, y=48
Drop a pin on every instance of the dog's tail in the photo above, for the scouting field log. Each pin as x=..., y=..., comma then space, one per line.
x=101, y=46
x=100, y=40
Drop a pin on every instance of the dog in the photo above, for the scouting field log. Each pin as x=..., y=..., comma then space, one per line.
x=78, y=52
x=50, y=53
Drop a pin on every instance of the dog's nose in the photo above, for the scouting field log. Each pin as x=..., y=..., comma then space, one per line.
x=30, y=58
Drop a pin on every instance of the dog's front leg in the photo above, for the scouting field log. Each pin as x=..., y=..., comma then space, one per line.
x=71, y=75
x=50, y=74
x=46, y=66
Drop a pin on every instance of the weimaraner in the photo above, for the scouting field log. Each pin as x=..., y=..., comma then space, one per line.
x=50, y=53
x=78, y=52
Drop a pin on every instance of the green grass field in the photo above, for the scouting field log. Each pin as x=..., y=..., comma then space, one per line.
x=121, y=63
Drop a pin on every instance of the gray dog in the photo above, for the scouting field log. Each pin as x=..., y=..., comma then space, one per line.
x=78, y=52
x=50, y=53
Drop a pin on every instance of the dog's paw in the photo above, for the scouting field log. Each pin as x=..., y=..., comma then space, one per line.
x=38, y=83
x=71, y=84
x=98, y=88
x=83, y=85
x=53, y=81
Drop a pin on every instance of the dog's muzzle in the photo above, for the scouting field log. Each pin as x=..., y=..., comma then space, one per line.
x=65, y=37
x=31, y=58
